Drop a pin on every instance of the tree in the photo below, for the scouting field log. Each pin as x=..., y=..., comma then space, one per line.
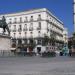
x=74, y=34
x=32, y=43
x=52, y=39
x=46, y=40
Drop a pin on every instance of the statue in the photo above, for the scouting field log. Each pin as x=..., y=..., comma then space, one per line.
x=4, y=25
x=65, y=49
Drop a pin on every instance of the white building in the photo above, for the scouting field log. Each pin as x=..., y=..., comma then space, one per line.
x=35, y=23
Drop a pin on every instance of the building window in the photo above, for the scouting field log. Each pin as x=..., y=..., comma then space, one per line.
x=31, y=34
x=10, y=21
x=47, y=28
x=39, y=41
x=20, y=19
x=25, y=34
x=19, y=35
x=26, y=19
x=9, y=27
x=14, y=35
x=15, y=20
x=25, y=41
x=31, y=27
x=39, y=17
x=19, y=42
x=25, y=27
x=20, y=28
x=14, y=27
x=39, y=26
x=39, y=33
x=31, y=19
x=14, y=30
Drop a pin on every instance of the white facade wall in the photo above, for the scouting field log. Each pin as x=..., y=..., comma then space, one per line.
x=35, y=24
x=49, y=24
x=55, y=25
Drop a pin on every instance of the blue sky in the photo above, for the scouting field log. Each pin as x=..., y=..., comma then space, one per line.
x=63, y=9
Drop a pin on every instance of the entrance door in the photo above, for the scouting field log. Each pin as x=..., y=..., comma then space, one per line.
x=38, y=50
x=19, y=41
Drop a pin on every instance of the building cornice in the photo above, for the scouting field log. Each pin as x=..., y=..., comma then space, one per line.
x=54, y=16
x=24, y=12
x=27, y=12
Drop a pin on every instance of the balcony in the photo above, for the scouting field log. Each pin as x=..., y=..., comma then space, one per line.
x=14, y=30
x=39, y=19
x=30, y=29
x=25, y=37
x=10, y=30
x=14, y=38
x=31, y=19
x=19, y=37
x=25, y=29
x=19, y=30
x=20, y=22
x=31, y=36
x=49, y=21
x=39, y=28
x=26, y=21
x=47, y=29
x=10, y=23
x=15, y=22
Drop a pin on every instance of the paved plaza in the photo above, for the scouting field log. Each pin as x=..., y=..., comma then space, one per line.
x=37, y=66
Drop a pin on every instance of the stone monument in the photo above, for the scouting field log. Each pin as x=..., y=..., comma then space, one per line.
x=5, y=39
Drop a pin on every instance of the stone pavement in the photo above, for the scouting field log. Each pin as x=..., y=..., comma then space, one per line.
x=37, y=66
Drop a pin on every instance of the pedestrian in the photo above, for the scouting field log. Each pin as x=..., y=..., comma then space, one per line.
x=70, y=53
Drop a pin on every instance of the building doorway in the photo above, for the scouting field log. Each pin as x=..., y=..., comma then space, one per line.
x=38, y=50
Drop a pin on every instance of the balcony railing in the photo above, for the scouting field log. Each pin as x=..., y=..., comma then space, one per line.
x=39, y=19
x=47, y=29
x=30, y=29
x=25, y=20
x=25, y=29
x=14, y=30
x=10, y=23
x=19, y=30
x=20, y=22
x=39, y=28
x=14, y=22
x=31, y=19
x=19, y=37
x=14, y=37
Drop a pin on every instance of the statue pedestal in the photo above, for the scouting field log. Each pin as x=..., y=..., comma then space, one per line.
x=5, y=42
x=5, y=45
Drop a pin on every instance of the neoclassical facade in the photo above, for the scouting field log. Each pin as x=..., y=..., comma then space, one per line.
x=35, y=23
